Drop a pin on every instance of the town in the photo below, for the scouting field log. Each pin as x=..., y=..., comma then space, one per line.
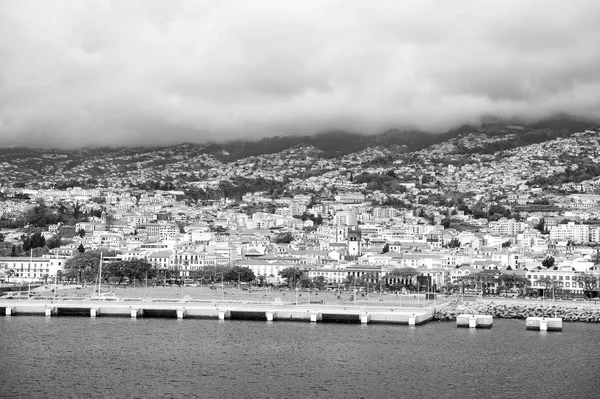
x=471, y=214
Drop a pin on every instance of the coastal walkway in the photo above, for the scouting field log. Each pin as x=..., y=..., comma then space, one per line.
x=222, y=310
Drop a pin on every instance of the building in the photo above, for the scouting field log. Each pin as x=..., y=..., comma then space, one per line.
x=570, y=231
x=26, y=269
x=354, y=243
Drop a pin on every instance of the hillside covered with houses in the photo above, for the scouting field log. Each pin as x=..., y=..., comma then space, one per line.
x=474, y=212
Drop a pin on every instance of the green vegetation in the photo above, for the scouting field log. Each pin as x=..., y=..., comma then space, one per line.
x=284, y=238
x=292, y=275
x=42, y=216
x=388, y=183
x=583, y=170
x=239, y=274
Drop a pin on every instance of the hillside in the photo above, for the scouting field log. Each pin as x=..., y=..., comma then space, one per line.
x=291, y=156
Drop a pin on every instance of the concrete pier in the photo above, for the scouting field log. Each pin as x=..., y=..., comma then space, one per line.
x=149, y=308
x=474, y=321
x=544, y=323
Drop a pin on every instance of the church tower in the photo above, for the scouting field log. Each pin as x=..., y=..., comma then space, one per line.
x=354, y=242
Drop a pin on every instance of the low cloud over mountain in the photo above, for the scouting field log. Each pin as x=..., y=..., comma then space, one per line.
x=80, y=72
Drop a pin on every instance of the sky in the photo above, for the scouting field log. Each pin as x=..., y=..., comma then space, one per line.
x=148, y=72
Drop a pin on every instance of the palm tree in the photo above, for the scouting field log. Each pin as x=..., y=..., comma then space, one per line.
x=406, y=275
x=548, y=283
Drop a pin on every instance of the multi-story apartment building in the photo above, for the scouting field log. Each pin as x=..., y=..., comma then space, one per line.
x=570, y=231
x=27, y=269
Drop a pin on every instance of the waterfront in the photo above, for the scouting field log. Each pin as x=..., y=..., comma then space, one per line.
x=117, y=357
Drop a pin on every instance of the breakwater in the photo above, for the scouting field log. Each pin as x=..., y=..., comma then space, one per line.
x=568, y=312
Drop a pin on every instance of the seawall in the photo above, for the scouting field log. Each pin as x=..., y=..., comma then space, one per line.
x=568, y=312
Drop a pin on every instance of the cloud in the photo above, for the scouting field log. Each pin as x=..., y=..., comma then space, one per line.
x=140, y=72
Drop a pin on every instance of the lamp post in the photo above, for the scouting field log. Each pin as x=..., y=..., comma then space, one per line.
x=222, y=288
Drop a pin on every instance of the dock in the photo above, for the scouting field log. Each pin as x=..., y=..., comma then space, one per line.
x=474, y=321
x=181, y=309
x=544, y=323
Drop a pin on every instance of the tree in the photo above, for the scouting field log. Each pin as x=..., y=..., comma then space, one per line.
x=454, y=243
x=34, y=241
x=81, y=233
x=386, y=248
x=402, y=277
x=548, y=283
x=589, y=281
x=291, y=275
x=513, y=281
x=9, y=274
x=540, y=226
x=548, y=262
x=239, y=273
x=284, y=238
x=446, y=223
x=319, y=282
x=55, y=241
x=466, y=282
x=305, y=282
x=84, y=266
x=133, y=270
x=81, y=248
x=35, y=252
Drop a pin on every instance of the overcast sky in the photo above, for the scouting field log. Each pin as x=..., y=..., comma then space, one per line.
x=137, y=72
